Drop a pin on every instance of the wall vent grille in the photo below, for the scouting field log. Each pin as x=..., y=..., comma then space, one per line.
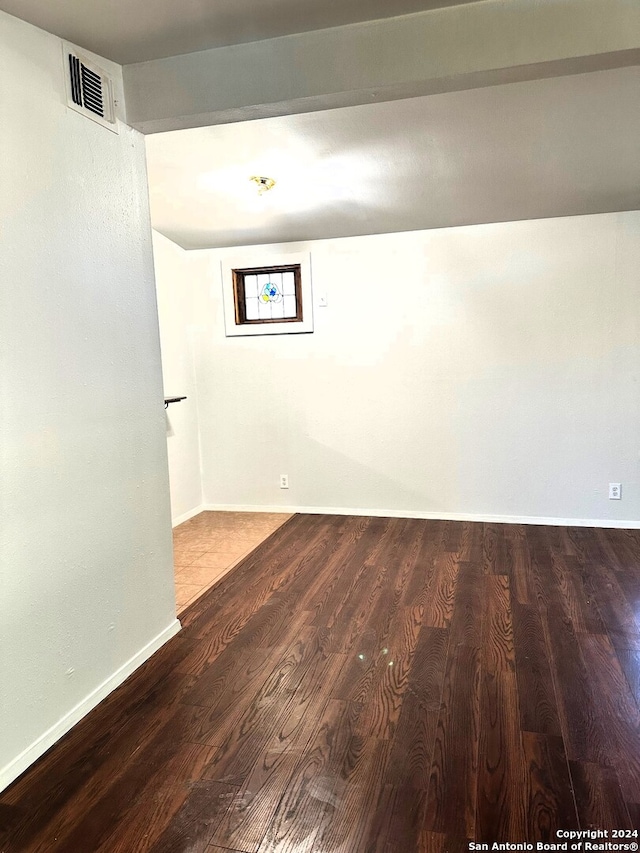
x=89, y=90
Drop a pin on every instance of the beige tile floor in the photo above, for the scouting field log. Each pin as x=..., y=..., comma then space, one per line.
x=207, y=546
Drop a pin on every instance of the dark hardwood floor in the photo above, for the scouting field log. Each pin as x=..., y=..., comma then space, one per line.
x=369, y=685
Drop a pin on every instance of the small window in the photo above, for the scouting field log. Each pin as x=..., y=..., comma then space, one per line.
x=268, y=295
x=266, y=292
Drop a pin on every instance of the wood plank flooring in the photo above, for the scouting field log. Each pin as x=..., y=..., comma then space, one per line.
x=367, y=685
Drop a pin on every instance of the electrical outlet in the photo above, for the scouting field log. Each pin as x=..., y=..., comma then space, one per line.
x=615, y=491
x=284, y=481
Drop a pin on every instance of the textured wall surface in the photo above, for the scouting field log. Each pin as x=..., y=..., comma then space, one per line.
x=175, y=289
x=85, y=543
x=491, y=370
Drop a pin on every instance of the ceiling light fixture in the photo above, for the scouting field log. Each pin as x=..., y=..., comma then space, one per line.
x=263, y=184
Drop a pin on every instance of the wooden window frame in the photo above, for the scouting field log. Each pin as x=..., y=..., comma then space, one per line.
x=240, y=303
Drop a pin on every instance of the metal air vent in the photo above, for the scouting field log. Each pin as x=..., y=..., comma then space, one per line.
x=89, y=89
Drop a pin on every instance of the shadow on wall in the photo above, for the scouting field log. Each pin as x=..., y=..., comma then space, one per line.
x=355, y=479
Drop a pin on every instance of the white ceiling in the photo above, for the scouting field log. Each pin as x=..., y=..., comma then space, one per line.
x=129, y=31
x=554, y=147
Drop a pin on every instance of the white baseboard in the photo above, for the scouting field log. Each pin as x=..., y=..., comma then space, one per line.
x=18, y=765
x=437, y=516
x=187, y=515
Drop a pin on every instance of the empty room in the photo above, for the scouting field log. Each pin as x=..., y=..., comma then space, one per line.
x=319, y=415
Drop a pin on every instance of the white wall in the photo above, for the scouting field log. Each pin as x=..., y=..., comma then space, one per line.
x=175, y=289
x=86, y=587
x=483, y=371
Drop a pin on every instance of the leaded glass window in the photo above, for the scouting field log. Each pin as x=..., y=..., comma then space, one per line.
x=268, y=295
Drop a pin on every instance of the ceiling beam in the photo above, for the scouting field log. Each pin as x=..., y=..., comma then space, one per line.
x=443, y=50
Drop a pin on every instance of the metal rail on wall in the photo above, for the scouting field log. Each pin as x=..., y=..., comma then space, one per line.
x=168, y=400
